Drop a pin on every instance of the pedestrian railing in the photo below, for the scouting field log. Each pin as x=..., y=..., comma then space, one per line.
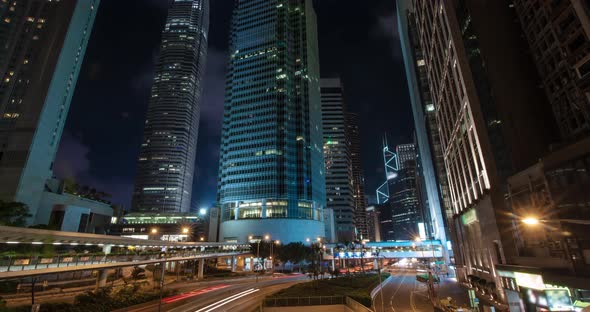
x=20, y=263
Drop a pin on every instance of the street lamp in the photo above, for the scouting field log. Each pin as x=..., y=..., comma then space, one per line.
x=535, y=221
x=185, y=230
x=154, y=230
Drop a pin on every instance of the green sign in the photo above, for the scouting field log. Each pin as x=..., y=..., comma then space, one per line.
x=469, y=217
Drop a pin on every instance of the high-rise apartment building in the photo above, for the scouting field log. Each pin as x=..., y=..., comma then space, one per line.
x=558, y=33
x=337, y=156
x=42, y=46
x=166, y=161
x=358, y=178
x=271, y=174
x=491, y=119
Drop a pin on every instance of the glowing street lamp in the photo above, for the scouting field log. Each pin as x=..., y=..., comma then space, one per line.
x=154, y=231
x=185, y=230
x=530, y=221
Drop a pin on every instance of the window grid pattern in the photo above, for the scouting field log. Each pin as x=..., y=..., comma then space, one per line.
x=166, y=161
x=271, y=163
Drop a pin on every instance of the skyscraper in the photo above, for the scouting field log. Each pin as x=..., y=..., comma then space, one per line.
x=406, y=212
x=271, y=172
x=337, y=156
x=42, y=46
x=166, y=161
x=432, y=171
x=558, y=33
x=358, y=179
x=492, y=120
x=405, y=153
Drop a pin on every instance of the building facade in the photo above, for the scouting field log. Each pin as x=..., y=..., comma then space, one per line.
x=42, y=46
x=358, y=177
x=491, y=120
x=405, y=153
x=406, y=211
x=558, y=33
x=436, y=202
x=271, y=172
x=337, y=157
x=555, y=250
x=166, y=163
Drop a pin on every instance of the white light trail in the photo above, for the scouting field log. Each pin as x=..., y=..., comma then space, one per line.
x=227, y=300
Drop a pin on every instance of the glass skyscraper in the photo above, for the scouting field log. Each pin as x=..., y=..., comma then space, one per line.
x=271, y=174
x=167, y=158
x=42, y=46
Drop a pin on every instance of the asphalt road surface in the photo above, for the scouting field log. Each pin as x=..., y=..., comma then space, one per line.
x=245, y=296
x=402, y=293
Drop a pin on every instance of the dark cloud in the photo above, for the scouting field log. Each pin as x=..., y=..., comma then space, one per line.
x=72, y=157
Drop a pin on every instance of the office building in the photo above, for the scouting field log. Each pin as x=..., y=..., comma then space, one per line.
x=435, y=196
x=405, y=153
x=358, y=177
x=406, y=212
x=166, y=164
x=558, y=33
x=271, y=171
x=492, y=121
x=373, y=229
x=337, y=156
x=42, y=46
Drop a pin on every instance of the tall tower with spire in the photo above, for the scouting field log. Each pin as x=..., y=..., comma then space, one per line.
x=166, y=161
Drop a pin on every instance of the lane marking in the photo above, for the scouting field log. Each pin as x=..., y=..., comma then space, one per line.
x=398, y=287
x=227, y=300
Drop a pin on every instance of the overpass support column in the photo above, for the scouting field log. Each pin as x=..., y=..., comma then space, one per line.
x=201, y=268
x=233, y=264
x=101, y=278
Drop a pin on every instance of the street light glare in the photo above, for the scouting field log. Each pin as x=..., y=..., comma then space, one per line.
x=530, y=221
x=184, y=230
x=154, y=231
x=266, y=237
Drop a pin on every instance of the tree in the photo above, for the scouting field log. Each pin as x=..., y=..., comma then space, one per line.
x=14, y=213
x=294, y=252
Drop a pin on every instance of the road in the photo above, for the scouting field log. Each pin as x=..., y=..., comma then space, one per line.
x=402, y=293
x=244, y=296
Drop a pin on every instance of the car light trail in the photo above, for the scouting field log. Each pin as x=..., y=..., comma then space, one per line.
x=193, y=293
x=227, y=300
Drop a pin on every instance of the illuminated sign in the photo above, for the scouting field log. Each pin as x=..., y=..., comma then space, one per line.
x=533, y=281
x=559, y=300
x=469, y=217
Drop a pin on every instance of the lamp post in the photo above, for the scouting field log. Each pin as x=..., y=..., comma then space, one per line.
x=380, y=286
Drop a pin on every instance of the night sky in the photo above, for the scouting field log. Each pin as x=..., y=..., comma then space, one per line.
x=101, y=140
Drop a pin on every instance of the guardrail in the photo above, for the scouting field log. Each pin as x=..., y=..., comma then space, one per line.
x=303, y=301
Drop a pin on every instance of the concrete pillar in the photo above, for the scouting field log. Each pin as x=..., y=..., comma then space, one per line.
x=201, y=268
x=101, y=278
x=233, y=264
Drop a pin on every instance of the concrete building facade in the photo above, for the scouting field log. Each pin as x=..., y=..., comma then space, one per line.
x=491, y=120
x=42, y=46
x=337, y=157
